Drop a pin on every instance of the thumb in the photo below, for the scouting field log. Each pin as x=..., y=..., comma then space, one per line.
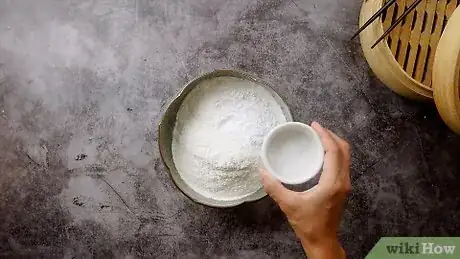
x=275, y=188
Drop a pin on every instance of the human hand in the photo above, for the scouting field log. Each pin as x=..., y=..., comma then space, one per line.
x=315, y=214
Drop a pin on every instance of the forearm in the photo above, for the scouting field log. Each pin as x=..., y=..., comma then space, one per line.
x=328, y=248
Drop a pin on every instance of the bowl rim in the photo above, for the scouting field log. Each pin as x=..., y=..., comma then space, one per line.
x=289, y=125
x=217, y=73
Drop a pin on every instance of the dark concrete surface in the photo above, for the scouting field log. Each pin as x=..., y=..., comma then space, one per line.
x=93, y=77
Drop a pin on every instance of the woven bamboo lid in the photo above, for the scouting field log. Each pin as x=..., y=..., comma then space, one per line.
x=404, y=62
x=446, y=73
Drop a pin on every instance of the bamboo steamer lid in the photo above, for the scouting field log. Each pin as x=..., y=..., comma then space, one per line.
x=404, y=61
x=446, y=73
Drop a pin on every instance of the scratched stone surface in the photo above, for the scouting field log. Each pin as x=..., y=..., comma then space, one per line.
x=85, y=82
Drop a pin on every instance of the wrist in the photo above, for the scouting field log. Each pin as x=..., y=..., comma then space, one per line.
x=326, y=247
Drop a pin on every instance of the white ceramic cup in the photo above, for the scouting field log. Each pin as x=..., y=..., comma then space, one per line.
x=292, y=152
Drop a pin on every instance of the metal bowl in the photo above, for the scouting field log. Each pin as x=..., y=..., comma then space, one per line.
x=166, y=128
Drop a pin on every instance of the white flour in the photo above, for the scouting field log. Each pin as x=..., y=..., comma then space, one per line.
x=218, y=136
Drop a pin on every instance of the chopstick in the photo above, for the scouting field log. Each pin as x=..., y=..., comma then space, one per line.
x=375, y=16
x=410, y=9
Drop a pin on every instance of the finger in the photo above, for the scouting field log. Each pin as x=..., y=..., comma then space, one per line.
x=326, y=139
x=343, y=145
x=275, y=188
x=336, y=138
x=331, y=158
x=345, y=152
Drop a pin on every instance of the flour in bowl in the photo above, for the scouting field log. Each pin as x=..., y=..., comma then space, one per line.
x=218, y=136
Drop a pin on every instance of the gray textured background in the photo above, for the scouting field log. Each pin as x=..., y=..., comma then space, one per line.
x=93, y=77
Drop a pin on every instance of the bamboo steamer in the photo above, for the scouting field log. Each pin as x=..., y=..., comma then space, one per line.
x=404, y=60
x=446, y=73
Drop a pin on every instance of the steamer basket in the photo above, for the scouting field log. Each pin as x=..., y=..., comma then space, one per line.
x=404, y=60
x=446, y=74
